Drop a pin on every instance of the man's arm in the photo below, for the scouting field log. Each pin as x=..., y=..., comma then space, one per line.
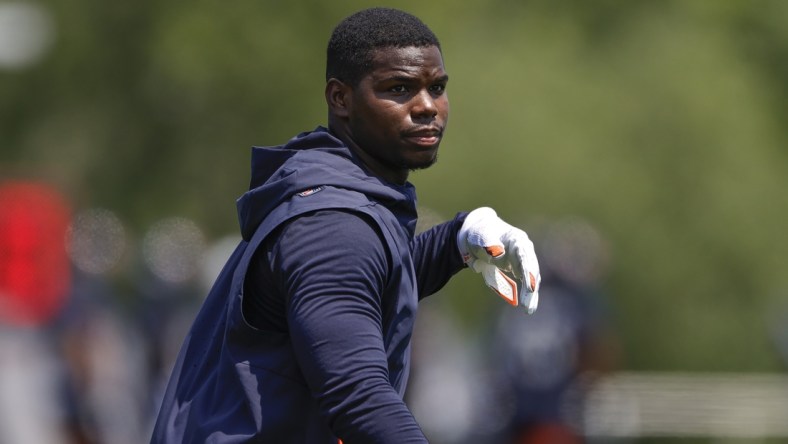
x=333, y=267
x=436, y=256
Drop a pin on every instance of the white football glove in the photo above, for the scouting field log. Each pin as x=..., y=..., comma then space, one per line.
x=494, y=248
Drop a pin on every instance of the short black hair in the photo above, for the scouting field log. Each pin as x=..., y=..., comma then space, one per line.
x=349, y=54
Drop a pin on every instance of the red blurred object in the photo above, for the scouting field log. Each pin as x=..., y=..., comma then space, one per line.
x=549, y=434
x=35, y=273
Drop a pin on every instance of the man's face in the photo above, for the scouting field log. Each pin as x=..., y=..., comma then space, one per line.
x=399, y=110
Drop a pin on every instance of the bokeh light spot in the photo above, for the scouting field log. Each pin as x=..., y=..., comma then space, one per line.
x=173, y=249
x=26, y=33
x=96, y=241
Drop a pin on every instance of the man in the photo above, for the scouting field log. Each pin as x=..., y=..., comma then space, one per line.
x=305, y=337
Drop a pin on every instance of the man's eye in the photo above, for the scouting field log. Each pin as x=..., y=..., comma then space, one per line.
x=439, y=89
x=399, y=89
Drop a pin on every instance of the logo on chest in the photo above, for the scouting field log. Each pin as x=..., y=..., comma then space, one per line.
x=310, y=191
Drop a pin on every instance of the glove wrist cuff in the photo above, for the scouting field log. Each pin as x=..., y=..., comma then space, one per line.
x=473, y=218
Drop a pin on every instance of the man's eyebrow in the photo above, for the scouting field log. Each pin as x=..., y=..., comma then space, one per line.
x=398, y=78
x=407, y=78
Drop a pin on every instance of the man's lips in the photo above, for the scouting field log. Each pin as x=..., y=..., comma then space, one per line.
x=425, y=137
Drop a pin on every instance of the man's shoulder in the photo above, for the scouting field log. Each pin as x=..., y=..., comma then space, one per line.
x=316, y=238
x=314, y=197
x=331, y=223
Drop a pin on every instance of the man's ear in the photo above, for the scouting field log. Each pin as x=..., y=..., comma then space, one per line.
x=338, y=97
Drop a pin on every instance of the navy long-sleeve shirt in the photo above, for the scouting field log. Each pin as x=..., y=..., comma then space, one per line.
x=328, y=270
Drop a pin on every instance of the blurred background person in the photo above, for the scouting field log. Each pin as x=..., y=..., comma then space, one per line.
x=103, y=384
x=544, y=363
x=35, y=279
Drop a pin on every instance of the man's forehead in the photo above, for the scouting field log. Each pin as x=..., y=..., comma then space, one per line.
x=407, y=59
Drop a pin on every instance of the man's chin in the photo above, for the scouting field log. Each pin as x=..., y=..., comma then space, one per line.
x=421, y=164
x=421, y=160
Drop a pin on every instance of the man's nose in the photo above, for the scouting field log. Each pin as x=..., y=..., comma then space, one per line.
x=424, y=105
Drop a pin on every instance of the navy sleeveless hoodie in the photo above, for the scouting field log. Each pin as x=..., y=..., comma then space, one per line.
x=233, y=383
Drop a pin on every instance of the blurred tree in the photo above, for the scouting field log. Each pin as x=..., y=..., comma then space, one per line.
x=660, y=122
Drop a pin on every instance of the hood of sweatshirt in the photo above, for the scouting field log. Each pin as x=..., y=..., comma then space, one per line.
x=308, y=161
